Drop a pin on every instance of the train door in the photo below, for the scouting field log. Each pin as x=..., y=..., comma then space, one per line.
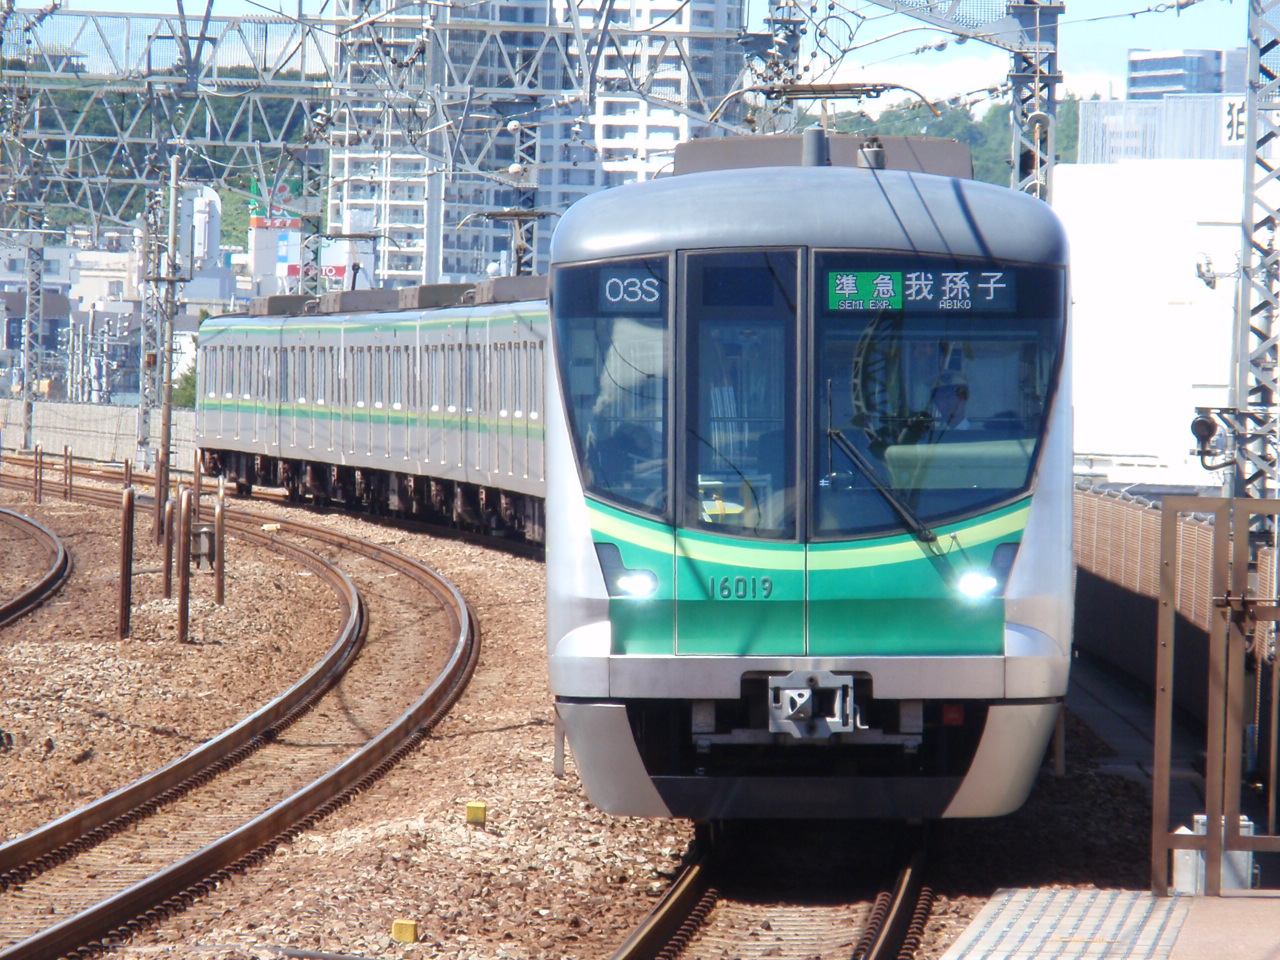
x=740, y=570
x=519, y=360
x=250, y=398
x=452, y=420
x=430, y=402
x=319, y=399
x=342, y=400
x=254, y=424
x=473, y=391
x=408, y=423
x=499, y=412
x=533, y=412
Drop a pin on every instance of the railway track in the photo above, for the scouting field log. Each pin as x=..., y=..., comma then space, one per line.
x=103, y=872
x=767, y=896
x=15, y=527
x=21, y=475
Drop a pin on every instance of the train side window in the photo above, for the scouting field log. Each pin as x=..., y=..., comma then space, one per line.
x=470, y=374
x=246, y=375
x=322, y=376
x=396, y=395
x=537, y=377
x=347, y=377
x=519, y=380
x=453, y=374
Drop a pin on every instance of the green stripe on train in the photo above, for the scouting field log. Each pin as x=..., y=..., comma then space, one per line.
x=366, y=416
x=889, y=596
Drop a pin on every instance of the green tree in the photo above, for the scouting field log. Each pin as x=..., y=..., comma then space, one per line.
x=235, y=218
x=1068, y=130
x=989, y=138
x=184, y=389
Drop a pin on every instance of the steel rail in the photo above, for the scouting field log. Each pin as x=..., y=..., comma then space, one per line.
x=676, y=917
x=98, y=928
x=903, y=915
x=50, y=582
x=892, y=930
x=143, y=480
x=60, y=839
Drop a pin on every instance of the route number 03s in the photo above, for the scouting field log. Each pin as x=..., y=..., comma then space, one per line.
x=741, y=588
x=632, y=290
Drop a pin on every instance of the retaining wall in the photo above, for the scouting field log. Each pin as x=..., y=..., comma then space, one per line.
x=95, y=431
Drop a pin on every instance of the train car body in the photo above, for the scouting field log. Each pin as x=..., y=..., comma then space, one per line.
x=809, y=493
x=423, y=412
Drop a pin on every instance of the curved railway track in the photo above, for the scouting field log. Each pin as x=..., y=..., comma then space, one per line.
x=21, y=476
x=33, y=594
x=784, y=910
x=148, y=849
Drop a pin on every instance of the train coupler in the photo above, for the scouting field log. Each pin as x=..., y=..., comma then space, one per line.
x=813, y=703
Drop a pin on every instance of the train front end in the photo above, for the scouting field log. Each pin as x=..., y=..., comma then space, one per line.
x=809, y=494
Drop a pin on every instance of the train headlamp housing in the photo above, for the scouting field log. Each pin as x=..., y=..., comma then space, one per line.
x=977, y=584
x=620, y=581
x=982, y=584
x=640, y=584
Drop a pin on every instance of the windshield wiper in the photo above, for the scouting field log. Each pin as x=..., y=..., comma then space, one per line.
x=865, y=467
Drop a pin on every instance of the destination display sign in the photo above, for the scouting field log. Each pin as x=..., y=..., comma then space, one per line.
x=923, y=291
x=631, y=291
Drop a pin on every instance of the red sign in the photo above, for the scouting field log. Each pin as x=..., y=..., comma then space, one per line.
x=330, y=271
x=275, y=223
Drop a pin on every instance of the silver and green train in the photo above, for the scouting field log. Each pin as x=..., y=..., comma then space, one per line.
x=423, y=411
x=802, y=438
x=809, y=493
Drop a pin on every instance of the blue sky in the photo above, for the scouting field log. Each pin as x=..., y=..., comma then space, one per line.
x=1093, y=44
x=1094, y=40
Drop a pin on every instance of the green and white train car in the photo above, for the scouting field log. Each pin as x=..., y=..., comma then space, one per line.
x=809, y=493
x=431, y=412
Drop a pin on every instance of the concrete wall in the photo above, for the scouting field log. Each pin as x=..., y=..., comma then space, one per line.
x=95, y=432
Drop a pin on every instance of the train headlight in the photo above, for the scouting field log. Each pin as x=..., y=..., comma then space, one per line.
x=977, y=584
x=620, y=581
x=640, y=584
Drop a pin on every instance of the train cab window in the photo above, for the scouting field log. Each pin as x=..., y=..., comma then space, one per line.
x=932, y=381
x=741, y=324
x=612, y=323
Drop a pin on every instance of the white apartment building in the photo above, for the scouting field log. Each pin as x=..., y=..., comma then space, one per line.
x=414, y=207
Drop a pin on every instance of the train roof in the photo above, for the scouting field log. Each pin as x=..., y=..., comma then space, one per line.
x=835, y=207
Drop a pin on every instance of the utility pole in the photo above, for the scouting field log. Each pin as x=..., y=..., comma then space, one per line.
x=1034, y=79
x=1250, y=417
x=170, y=280
x=33, y=319
x=1029, y=31
x=1253, y=380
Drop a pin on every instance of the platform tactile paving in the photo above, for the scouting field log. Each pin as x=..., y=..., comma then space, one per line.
x=1070, y=924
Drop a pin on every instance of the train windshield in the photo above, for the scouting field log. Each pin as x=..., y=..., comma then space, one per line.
x=932, y=380
x=741, y=318
x=612, y=332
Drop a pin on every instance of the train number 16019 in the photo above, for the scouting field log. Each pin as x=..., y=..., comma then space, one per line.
x=741, y=588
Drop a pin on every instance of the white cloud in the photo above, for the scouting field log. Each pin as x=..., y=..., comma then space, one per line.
x=959, y=70
x=937, y=76
x=1084, y=84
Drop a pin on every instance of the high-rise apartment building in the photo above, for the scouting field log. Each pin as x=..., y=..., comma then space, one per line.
x=1155, y=74
x=480, y=129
